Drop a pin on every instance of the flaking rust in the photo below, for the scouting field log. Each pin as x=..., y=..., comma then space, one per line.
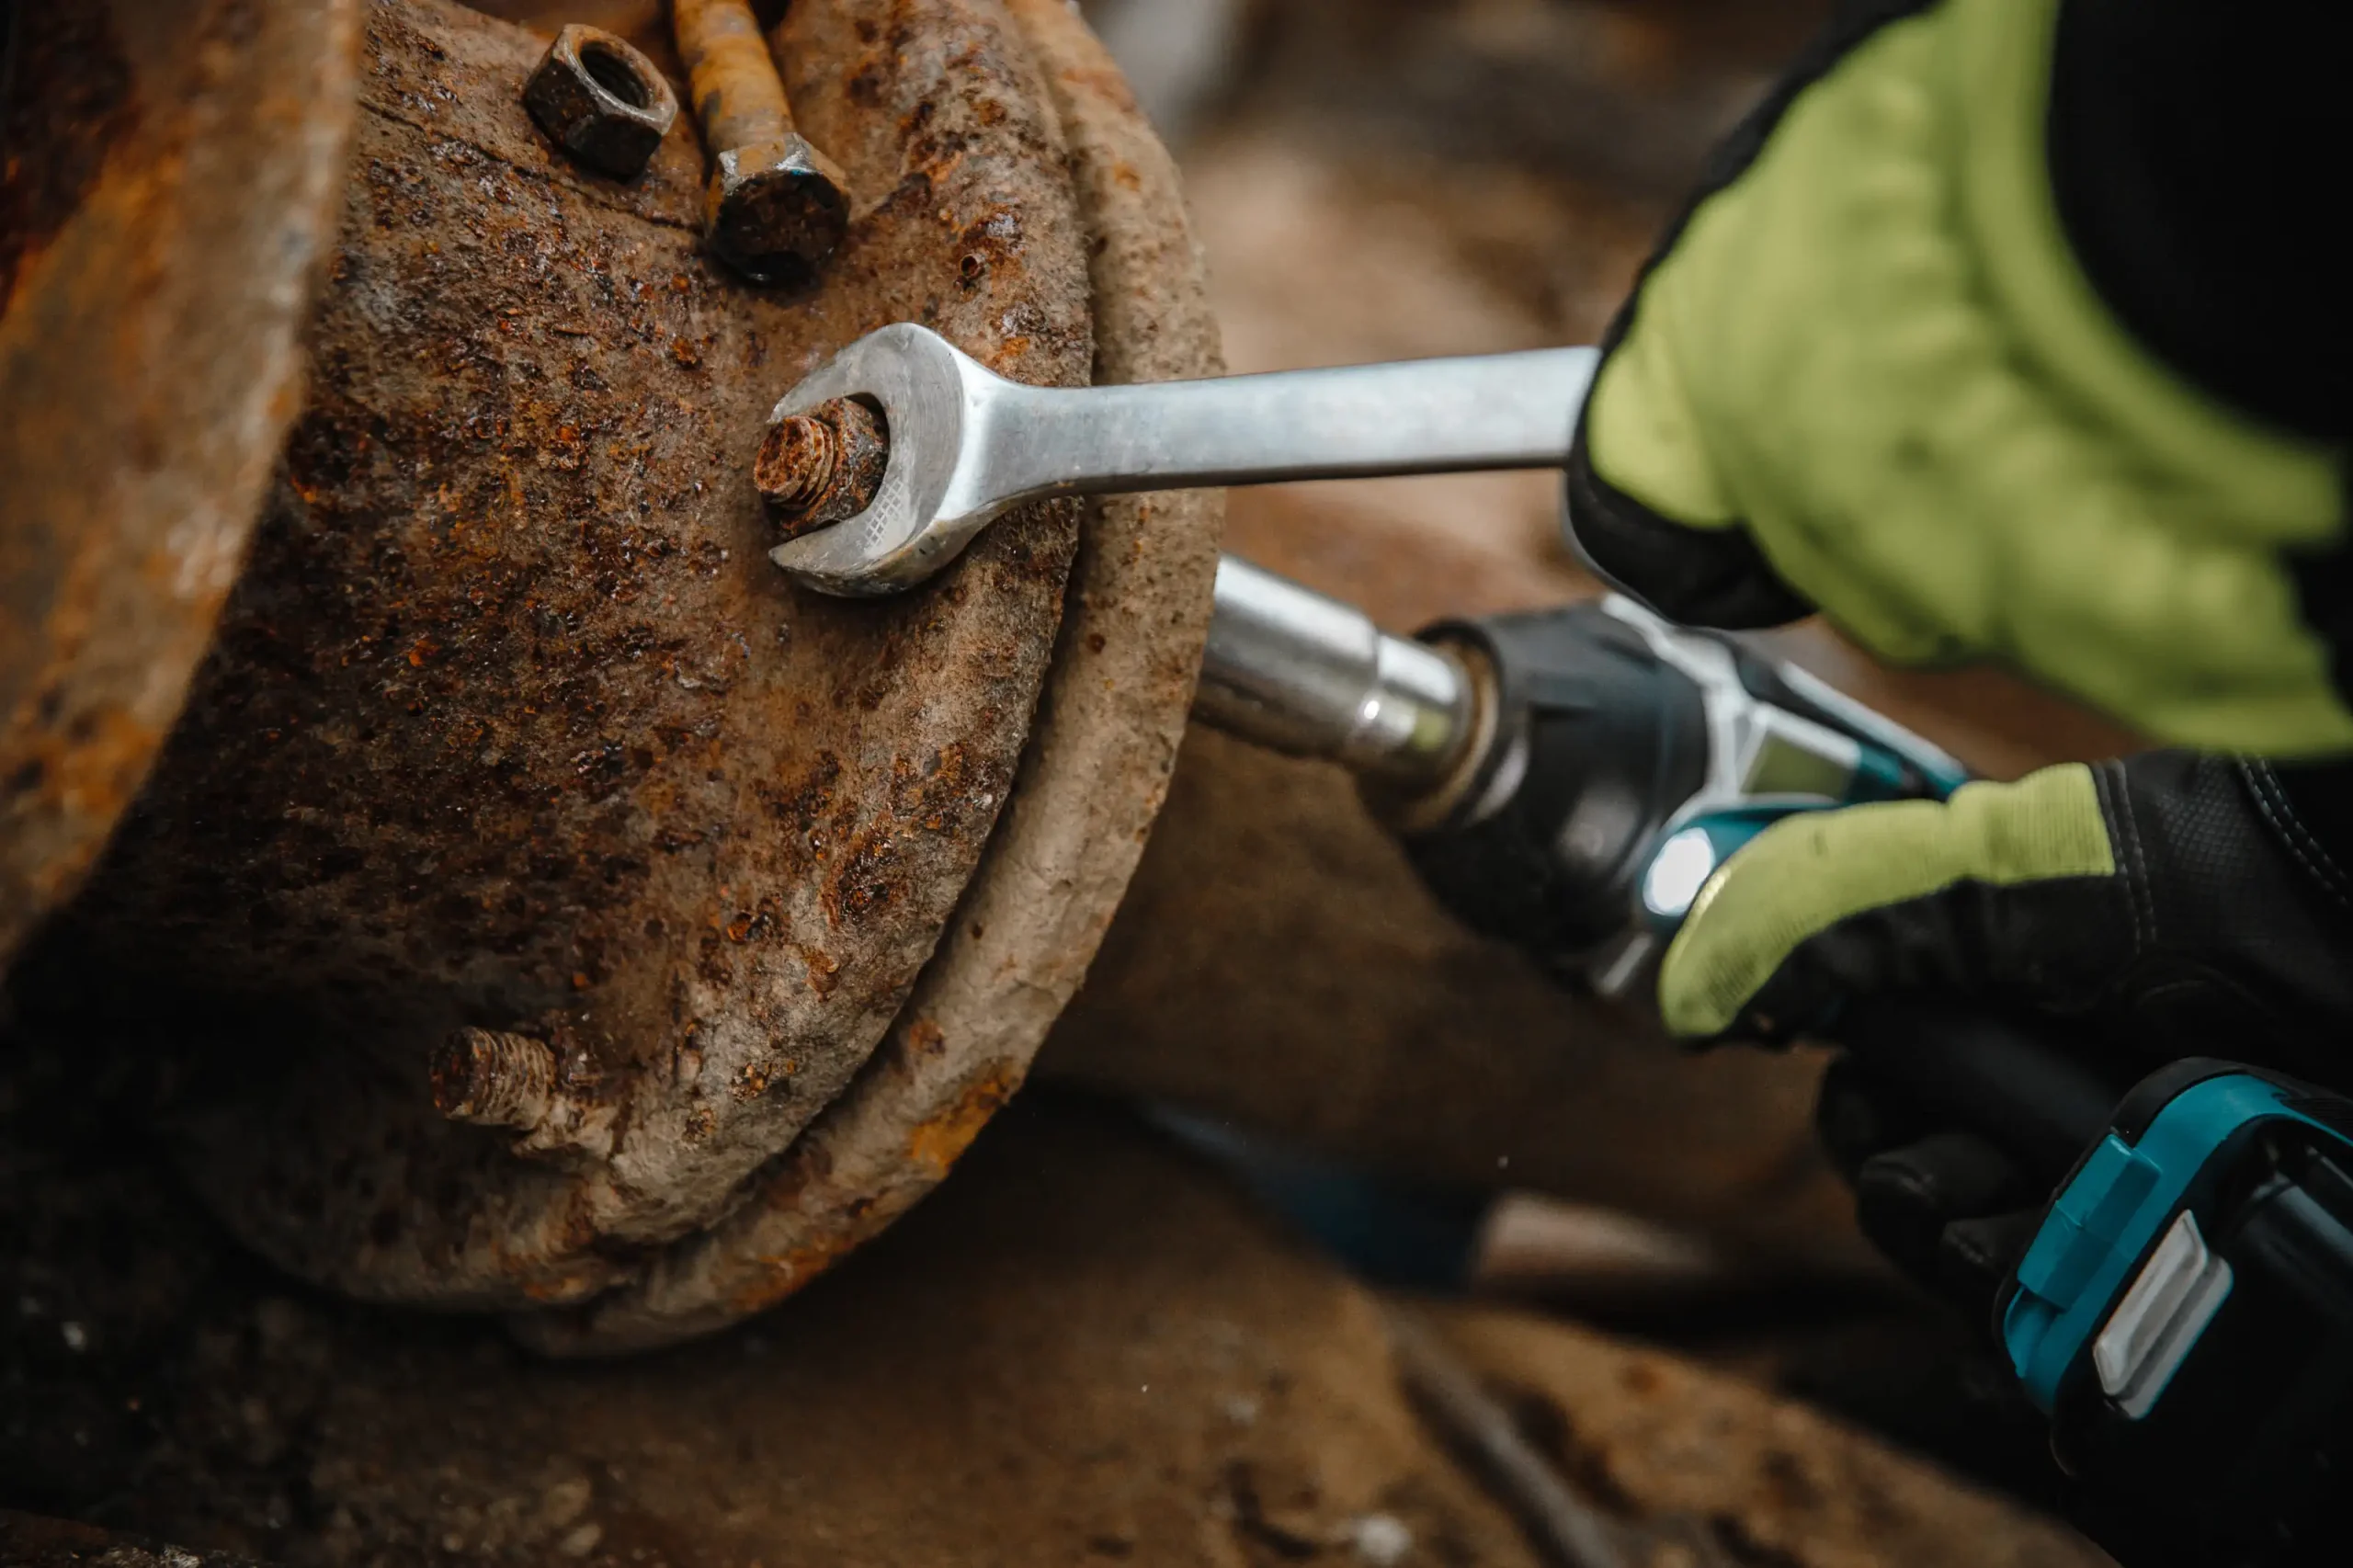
x=821, y=467
x=510, y=727
x=776, y=207
x=1089, y=785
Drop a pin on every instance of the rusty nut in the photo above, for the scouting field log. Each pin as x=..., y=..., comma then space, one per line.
x=822, y=466
x=776, y=211
x=601, y=101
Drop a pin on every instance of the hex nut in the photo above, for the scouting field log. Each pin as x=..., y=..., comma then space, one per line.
x=775, y=211
x=601, y=101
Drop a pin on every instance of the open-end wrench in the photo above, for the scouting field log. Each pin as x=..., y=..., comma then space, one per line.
x=966, y=446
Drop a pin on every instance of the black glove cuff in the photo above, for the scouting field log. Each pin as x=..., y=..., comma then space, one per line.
x=1715, y=578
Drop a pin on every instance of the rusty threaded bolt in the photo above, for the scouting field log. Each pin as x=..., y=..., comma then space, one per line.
x=795, y=465
x=494, y=1079
x=776, y=208
x=818, y=467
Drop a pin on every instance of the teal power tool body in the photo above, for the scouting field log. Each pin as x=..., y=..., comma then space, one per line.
x=1567, y=781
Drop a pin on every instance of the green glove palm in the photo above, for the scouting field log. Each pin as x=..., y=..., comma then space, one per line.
x=2173, y=900
x=1866, y=374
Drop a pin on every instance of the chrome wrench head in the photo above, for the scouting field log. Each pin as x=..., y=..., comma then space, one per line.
x=966, y=446
x=935, y=495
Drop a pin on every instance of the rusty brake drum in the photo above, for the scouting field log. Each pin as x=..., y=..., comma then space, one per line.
x=554, y=910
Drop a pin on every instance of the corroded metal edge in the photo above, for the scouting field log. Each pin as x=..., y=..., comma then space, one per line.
x=508, y=725
x=149, y=363
x=1091, y=785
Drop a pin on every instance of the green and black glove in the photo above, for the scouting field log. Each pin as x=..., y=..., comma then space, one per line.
x=1977, y=389
x=2172, y=898
x=2015, y=330
x=2171, y=904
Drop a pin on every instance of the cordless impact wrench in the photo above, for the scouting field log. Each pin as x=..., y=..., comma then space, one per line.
x=1567, y=781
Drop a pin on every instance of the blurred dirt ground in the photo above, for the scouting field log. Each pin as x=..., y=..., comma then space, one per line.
x=1086, y=1350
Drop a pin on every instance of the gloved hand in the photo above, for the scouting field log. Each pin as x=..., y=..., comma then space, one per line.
x=1962, y=359
x=2171, y=904
x=2005, y=329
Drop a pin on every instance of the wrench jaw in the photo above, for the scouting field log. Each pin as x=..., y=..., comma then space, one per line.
x=934, y=399
x=965, y=446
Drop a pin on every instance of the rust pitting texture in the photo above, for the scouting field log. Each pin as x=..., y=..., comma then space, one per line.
x=1090, y=783
x=166, y=183
x=422, y=76
x=510, y=726
x=822, y=466
x=846, y=71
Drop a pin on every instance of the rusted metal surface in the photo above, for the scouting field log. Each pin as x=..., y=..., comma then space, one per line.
x=1089, y=789
x=168, y=180
x=823, y=466
x=511, y=726
x=601, y=101
x=776, y=207
x=739, y=96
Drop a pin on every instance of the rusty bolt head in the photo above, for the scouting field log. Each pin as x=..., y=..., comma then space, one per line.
x=823, y=466
x=776, y=211
x=601, y=101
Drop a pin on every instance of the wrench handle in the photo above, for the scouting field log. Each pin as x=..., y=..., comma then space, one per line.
x=1494, y=411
